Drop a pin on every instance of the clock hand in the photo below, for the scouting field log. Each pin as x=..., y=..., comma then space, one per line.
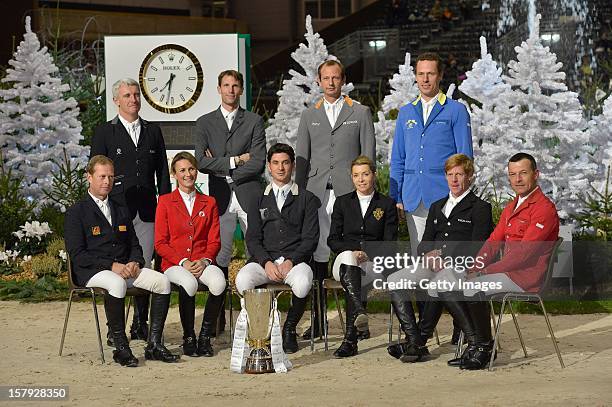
x=169, y=81
x=172, y=76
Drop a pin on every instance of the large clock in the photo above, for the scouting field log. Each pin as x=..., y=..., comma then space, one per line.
x=171, y=78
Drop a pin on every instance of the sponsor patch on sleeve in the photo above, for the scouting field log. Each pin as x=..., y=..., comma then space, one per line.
x=539, y=225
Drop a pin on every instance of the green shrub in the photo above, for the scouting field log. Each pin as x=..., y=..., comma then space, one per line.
x=54, y=247
x=15, y=209
x=595, y=222
x=46, y=265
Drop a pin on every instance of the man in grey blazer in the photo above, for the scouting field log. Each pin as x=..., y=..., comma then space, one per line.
x=330, y=136
x=230, y=146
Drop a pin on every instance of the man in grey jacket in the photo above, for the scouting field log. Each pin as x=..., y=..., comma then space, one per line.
x=330, y=136
x=230, y=146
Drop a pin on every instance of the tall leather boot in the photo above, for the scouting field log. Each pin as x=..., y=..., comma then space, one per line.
x=114, y=307
x=461, y=314
x=350, y=278
x=348, y=347
x=214, y=304
x=414, y=349
x=295, y=313
x=365, y=333
x=480, y=354
x=319, y=270
x=187, y=313
x=155, y=349
x=456, y=333
x=429, y=318
x=139, y=328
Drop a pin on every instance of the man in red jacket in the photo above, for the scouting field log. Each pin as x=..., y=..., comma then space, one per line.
x=527, y=230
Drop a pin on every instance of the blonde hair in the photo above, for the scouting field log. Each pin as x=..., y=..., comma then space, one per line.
x=363, y=160
x=98, y=160
x=460, y=160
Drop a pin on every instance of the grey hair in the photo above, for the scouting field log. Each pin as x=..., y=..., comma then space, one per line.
x=124, y=81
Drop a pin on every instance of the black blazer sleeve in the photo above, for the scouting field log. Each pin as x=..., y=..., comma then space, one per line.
x=390, y=221
x=310, y=231
x=482, y=221
x=335, y=240
x=254, y=236
x=161, y=168
x=427, y=242
x=98, y=146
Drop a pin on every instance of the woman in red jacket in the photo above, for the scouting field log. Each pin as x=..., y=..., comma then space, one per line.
x=187, y=239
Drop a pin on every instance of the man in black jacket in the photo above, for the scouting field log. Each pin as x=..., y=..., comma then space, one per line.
x=456, y=228
x=138, y=151
x=105, y=253
x=282, y=236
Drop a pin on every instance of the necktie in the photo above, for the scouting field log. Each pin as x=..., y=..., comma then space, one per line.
x=280, y=199
x=133, y=133
x=229, y=121
x=106, y=212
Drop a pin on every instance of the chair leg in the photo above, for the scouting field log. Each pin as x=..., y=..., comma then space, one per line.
x=499, y=347
x=320, y=305
x=518, y=329
x=390, y=324
x=339, y=312
x=552, y=334
x=497, y=331
x=127, y=311
x=323, y=316
x=66, y=322
x=95, y=309
x=312, y=313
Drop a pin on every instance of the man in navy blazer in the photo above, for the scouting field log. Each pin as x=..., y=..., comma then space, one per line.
x=138, y=152
x=104, y=251
x=428, y=131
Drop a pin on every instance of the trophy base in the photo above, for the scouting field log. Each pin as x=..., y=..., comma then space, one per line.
x=259, y=361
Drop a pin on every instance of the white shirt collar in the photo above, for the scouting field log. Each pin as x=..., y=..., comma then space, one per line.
x=364, y=197
x=187, y=196
x=523, y=199
x=454, y=200
x=431, y=101
x=127, y=124
x=98, y=201
x=227, y=114
x=337, y=102
x=285, y=188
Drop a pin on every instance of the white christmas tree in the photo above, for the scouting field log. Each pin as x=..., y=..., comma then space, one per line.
x=37, y=123
x=403, y=90
x=301, y=90
x=600, y=135
x=484, y=84
x=544, y=120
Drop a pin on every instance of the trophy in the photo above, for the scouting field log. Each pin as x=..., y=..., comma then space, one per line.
x=258, y=304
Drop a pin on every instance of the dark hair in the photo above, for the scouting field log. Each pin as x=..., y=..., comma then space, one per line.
x=183, y=155
x=332, y=62
x=363, y=160
x=281, y=148
x=98, y=160
x=430, y=56
x=524, y=156
x=234, y=74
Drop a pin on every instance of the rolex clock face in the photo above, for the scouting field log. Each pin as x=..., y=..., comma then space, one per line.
x=171, y=78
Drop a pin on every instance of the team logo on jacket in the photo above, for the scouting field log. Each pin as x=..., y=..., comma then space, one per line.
x=95, y=230
x=378, y=213
x=411, y=123
x=201, y=214
x=263, y=213
x=122, y=228
x=118, y=151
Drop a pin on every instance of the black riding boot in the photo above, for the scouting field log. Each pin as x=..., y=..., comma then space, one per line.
x=429, y=318
x=114, y=308
x=298, y=305
x=319, y=270
x=364, y=333
x=481, y=353
x=187, y=312
x=139, y=328
x=475, y=353
x=348, y=347
x=155, y=349
x=214, y=303
x=414, y=349
x=350, y=278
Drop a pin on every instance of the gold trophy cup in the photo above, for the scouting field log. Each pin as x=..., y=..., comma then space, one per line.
x=258, y=304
